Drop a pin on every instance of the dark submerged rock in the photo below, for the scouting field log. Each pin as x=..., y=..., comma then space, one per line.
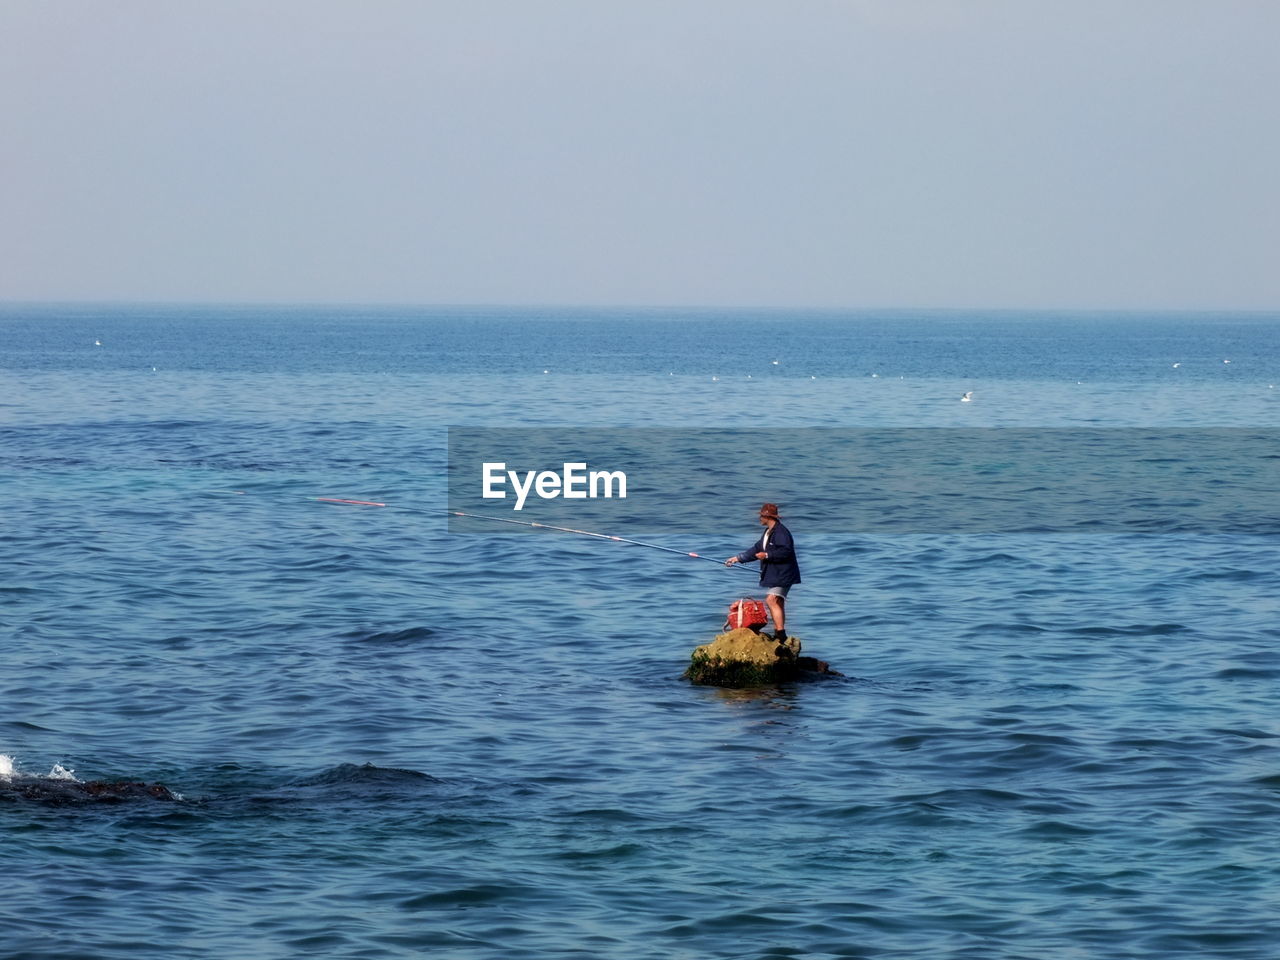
x=60, y=792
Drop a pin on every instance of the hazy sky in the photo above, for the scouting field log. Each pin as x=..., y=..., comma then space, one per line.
x=854, y=153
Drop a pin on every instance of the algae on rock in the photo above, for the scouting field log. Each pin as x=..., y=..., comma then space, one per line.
x=745, y=658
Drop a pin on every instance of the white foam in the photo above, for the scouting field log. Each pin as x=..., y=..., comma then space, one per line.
x=9, y=770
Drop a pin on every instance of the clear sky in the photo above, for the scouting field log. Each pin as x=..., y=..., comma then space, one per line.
x=860, y=153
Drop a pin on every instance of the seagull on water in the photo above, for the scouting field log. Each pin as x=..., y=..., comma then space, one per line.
x=968, y=397
x=1176, y=366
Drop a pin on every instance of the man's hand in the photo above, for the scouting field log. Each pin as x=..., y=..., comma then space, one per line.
x=762, y=556
x=731, y=561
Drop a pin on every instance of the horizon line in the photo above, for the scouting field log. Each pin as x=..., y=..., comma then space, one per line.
x=548, y=305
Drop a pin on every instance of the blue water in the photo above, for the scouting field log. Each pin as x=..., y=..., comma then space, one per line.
x=393, y=741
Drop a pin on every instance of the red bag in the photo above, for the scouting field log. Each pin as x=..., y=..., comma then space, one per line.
x=747, y=612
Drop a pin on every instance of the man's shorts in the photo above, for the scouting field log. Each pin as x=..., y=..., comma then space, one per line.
x=780, y=591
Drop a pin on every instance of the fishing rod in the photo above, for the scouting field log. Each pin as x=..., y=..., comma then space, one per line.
x=526, y=523
x=587, y=533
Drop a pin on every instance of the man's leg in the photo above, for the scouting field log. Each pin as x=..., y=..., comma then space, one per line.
x=777, y=610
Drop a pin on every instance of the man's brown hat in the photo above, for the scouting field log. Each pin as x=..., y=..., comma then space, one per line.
x=769, y=510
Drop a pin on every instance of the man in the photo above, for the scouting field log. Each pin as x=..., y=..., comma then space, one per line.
x=779, y=571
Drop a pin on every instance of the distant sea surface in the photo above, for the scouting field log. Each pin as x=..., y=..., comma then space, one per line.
x=390, y=740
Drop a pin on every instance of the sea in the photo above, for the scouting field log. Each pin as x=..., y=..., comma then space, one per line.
x=390, y=736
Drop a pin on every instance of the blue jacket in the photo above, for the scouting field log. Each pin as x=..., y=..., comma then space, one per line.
x=779, y=568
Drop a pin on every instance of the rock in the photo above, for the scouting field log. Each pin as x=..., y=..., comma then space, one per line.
x=745, y=658
x=59, y=792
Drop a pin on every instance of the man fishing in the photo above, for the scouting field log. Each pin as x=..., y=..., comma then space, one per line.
x=776, y=551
